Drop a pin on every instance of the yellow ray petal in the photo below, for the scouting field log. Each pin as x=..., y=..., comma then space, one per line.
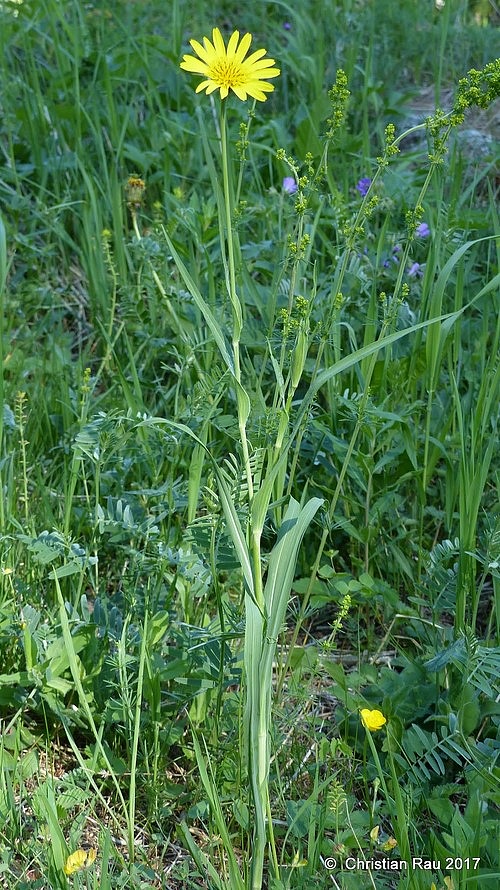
x=241, y=92
x=201, y=51
x=257, y=55
x=243, y=48
x=260, y=85
x=232, y=45
x=209, y=47
x=219, y=45
x=259, y=70
x=195, y=66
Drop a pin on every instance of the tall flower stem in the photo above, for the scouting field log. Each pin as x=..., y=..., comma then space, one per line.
x=243, y=402
x=258, y=690
x=3, y=282
x=231, y=265
x=394, y=802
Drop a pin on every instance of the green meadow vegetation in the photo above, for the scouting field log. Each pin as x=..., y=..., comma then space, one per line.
x=249, y=463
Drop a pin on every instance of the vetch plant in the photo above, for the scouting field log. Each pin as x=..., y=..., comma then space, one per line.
x=422, y=230
x=363, y=186
x=415, y=271
x=289, y=185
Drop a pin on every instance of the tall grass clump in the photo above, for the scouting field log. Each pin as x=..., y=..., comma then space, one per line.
x=249, y=525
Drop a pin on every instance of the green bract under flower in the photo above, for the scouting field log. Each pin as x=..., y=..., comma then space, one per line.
x=226, y=68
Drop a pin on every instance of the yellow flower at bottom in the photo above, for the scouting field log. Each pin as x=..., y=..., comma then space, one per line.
x=372, y=720
x=78, y=860
x=227, y=68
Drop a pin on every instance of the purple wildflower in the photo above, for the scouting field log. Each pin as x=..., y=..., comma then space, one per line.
x=289, y=185
x=423, y=230
x=415, y=271
x=287, y=26
x=363, y=185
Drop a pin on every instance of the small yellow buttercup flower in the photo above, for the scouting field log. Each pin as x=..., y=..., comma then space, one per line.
x=226, y=68
x=78, y=860
x=372, y=720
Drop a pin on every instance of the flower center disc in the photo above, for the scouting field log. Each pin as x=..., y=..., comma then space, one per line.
x=226, y=74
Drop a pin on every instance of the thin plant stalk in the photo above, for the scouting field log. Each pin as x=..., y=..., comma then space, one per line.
x=401, y=820
x=243, y=402
x=135, y=738
x=3, y=281
x=259, y=686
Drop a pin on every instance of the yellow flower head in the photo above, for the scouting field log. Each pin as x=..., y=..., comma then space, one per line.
x=227, y=68
x=372, y=720
x=78, y=860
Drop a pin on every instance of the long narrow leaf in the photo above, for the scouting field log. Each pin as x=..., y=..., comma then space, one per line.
x=282, y=562
x=201, y=303
x=200, y=858
x=215, y=806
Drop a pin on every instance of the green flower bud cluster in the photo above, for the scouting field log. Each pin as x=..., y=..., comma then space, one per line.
x=371, y=206
x=438, y=128
x=413, y=219
x=390, y=147
x=85, y=386
x=477, y=88
x=339, y=97
x=337, y=799
x=350, y=231
x=295, y=319
x=301, y=203
x=242, y=143
x=298, y=250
